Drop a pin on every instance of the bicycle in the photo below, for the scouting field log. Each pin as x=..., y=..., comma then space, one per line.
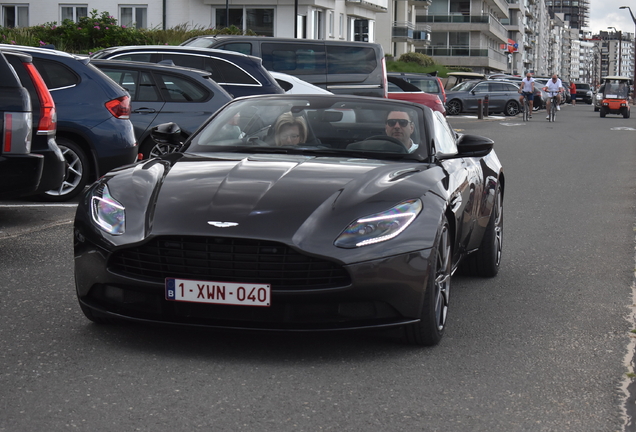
x=553, y=106
x=526, y=107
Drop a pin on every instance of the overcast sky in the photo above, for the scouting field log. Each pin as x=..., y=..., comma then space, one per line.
x=604, y=13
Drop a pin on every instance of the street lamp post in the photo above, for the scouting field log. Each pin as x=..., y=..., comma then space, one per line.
x=620, y=49
x=634, y=81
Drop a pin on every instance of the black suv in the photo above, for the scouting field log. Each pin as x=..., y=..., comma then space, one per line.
x=30, y=160
x=94, y=130
x=238, y=74
x=584, y=93
x=162, y=94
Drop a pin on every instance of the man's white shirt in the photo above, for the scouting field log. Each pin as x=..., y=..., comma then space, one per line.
x=527, y=85
x=554, y=86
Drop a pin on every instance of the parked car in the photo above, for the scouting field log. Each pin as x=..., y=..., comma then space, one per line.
x=34, y=111
x=598, y=98
x=94, y=130
x=294, y=85
x=350, y=229
x=584, y=93
x=538, y=101
x=502, y=97
x=425, y=82
x=161, y=93
x=238, y=74
x=20, y=168
x=342, y=67
x=401, y=90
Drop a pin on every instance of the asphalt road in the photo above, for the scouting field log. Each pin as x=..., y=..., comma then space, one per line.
x=544, y=346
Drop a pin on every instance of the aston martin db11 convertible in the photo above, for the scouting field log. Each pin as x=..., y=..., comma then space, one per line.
x=294, y=213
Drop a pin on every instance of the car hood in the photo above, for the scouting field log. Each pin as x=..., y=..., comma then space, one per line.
x=299, y=200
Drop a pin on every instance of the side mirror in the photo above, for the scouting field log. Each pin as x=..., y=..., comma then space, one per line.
x=167, y=133
x=474, y=146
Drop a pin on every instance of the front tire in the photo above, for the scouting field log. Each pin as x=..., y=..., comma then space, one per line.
x=453, y=107
x=603, y=112
x=430, y=329
x=77, y=176
x=486, y=260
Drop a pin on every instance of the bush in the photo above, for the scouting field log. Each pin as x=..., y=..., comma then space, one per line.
x=419, y=58
x=99, y=31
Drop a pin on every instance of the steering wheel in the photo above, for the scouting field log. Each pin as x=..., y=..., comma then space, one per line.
x=389, y=139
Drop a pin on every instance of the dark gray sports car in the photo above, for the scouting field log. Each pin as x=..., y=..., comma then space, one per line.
x=314, y=212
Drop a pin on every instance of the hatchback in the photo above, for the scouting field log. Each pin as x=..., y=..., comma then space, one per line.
x=94, y=130
x=162, y=93
x=238, y=74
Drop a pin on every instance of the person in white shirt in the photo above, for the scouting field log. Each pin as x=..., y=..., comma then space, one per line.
x=554, y=86
x=527, y=89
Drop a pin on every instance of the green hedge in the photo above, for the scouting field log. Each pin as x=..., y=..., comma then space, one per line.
x=98, y=31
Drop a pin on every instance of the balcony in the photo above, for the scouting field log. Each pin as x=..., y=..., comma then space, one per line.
x=403, y=31
x=420, y=3
x=377, y=6
x=487, y=24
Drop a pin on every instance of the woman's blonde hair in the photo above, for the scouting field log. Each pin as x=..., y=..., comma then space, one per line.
x=288, y=119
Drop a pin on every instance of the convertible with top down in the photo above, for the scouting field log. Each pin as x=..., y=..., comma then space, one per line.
x=354, y=217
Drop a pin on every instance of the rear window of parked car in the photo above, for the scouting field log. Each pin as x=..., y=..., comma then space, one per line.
x=303, y=59
x=55, y=74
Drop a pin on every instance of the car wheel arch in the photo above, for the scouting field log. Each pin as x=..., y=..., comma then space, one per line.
x=84, y=144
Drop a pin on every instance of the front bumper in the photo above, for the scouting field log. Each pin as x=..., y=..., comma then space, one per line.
x=381, y=293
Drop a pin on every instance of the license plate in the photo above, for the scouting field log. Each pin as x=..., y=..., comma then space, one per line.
x=232, y=293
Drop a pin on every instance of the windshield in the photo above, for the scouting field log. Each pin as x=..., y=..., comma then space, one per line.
x=582, y=86
x=326, y=125
x=464, y=86
x=615, y=89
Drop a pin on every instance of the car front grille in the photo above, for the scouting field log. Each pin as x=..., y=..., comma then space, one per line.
x=227, y=260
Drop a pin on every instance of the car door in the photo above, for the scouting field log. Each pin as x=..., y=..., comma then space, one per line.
x=478, y=92
x=464, y=184
x=187, y=103
x=146, y=100
x=498, y=96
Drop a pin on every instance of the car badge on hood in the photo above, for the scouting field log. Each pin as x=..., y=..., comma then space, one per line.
x=222, y=224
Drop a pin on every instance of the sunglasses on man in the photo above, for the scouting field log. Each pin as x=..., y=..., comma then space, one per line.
x=401, y=122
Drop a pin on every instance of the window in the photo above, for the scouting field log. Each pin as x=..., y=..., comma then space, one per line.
x=15, y=16
x=341, y=26
x=330, y=23
x=318, y=31
x=56, y=75
x=444, y=137
x=260, y=21
x=134, y=16
x=350, y=60
x=73, y=12
x=295, y=59
x=179, y=89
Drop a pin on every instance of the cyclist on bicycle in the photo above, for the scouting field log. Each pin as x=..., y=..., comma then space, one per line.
x=554, y=87
x=527, y=90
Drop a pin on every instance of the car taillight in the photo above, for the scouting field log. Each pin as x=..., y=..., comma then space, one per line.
x=16, y=133
x=119, y=107
x=48, y=115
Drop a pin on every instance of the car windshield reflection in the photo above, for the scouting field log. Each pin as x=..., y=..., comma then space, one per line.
x=328, y=125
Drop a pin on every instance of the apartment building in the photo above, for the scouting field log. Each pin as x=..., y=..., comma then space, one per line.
x=315, y=19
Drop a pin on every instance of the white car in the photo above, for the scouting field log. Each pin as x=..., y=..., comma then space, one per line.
x=294, y=85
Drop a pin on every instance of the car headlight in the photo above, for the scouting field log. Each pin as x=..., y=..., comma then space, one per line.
x=379, y=227
x=107, y=213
